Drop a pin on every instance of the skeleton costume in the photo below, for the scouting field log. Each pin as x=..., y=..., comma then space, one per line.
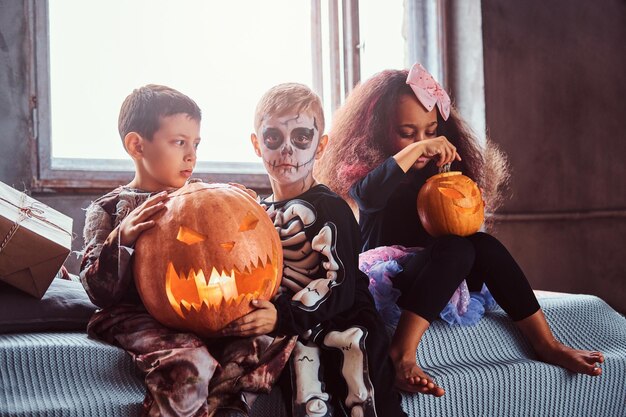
x=324, y=299
x=182, y=377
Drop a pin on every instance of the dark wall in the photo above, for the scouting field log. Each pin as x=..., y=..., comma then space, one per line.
x=556, y=103
x=15, y=146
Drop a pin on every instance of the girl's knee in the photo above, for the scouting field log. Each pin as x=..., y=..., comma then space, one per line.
x=483, y=237
x=455, y=249
x=484, y=243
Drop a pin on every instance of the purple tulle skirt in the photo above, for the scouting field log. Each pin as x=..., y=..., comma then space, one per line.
x=385, y=262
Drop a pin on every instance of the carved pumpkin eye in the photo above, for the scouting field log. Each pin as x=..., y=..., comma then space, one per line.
x=249, y=222
x=451, y=193
x=189, y=236
x=228, y=245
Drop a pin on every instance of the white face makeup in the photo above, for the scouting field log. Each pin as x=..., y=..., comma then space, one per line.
x=288, y=145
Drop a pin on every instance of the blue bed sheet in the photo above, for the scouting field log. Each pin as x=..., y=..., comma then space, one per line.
x=487, y=370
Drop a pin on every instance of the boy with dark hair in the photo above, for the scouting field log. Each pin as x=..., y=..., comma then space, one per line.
x=160, y=130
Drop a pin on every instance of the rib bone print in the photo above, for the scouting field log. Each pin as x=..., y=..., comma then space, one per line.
x=311, y=268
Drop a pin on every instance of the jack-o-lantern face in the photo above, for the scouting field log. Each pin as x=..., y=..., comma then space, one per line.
x=212, y=250
x=450, y=204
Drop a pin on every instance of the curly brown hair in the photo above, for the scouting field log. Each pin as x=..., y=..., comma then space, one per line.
x=359, y=140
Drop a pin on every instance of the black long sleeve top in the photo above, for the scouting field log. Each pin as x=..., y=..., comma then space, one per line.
x=387, y=201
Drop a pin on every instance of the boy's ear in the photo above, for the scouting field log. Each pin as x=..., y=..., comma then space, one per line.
x=321, y=146
x=255, y=144
x=133, y=142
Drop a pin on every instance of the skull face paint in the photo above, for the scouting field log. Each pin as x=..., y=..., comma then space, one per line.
x=288, y=146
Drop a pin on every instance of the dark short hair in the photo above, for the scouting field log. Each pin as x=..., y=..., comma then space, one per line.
x=142, y=110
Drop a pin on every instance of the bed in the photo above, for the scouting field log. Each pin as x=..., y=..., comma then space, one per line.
x=487, y=369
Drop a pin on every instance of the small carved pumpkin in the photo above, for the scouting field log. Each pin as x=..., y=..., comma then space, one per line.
x=212, y=250
x=450, y=204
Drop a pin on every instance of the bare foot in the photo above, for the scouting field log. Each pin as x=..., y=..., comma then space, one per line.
x=411, y=378
x=579, y=361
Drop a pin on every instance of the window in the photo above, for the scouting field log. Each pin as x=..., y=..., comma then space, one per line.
x=90, y=54
x=382, y=36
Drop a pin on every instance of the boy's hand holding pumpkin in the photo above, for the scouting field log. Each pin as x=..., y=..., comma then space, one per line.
x=139, y=219
x=261, y=320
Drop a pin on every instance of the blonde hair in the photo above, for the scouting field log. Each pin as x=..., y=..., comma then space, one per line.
x=289, y=98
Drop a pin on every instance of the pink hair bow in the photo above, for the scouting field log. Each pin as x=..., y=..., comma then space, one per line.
x=428, y=91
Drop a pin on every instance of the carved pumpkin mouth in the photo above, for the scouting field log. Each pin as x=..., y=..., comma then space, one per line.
x=199, y=291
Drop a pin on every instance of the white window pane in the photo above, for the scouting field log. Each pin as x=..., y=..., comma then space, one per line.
x=381, y=28
x=222, y=54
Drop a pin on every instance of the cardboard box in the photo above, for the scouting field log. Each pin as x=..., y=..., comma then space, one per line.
x=35, y=240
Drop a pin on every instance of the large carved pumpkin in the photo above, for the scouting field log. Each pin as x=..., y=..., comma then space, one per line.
x=212, y=250
x=450, y=203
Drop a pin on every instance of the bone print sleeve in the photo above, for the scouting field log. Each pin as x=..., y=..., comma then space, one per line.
x=336, y=240
x=372, y=192
x=104, y=269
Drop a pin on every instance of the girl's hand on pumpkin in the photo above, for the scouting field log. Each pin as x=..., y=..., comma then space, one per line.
x=439, y=147
x=138, y=220
x=260, y=321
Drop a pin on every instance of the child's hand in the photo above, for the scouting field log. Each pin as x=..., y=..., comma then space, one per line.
x=260, y=321
x=441, y=147
x=248, y=191
x=138, y=220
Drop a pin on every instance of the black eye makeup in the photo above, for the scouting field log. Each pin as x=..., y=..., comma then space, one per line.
x=302, y=137
x=273, y=138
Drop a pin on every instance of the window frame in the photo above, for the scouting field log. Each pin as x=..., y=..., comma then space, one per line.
x=54, y=174
x=91, y=174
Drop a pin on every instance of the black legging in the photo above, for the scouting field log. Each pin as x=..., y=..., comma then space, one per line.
x=431, y=276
